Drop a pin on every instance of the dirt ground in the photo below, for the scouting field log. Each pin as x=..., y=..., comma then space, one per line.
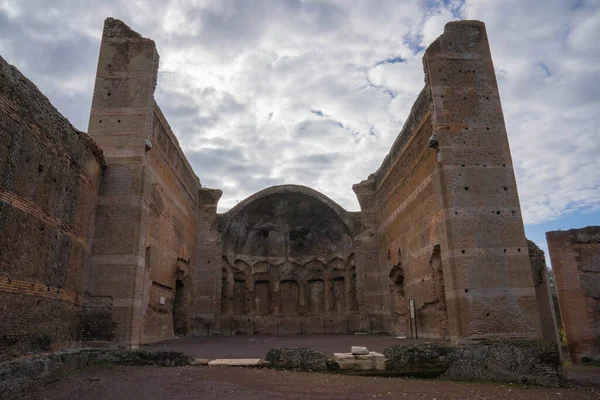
x=119, y=382
x=258, y=346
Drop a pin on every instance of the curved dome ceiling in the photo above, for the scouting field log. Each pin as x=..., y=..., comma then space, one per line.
x=287, y=221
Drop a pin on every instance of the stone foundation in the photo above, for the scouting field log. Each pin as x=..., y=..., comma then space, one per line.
x=18, y=375
x=523, y=362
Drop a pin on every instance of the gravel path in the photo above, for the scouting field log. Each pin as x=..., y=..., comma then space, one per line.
x=119, y=382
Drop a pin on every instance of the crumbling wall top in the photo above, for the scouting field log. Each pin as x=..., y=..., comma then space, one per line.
x=116, y=28
x=588, y=234
x=21, y=93
x=468, y=36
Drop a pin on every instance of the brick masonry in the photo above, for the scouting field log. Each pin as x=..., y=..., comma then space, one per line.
x=49, y=181
x=541, y=281
x=442, y=215
x=148, y=212
x=575, y=256
x=285, y=264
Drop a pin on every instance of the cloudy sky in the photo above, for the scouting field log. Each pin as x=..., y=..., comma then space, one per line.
x=314, y=92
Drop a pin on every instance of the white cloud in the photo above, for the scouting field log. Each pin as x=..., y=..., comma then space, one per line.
x=551, y=97
x=314, y=92
x=434, y=25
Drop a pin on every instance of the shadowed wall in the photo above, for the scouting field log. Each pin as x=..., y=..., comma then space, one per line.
x=575, y=256
x=442, y=211
x=49, y=180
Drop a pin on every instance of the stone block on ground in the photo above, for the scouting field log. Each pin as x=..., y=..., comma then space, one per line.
x=378, y=360
x=297, y=358
x=370, y=362
x=235, y=362
x=358, y=350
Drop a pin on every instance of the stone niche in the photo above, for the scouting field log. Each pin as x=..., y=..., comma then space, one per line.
x=288, y=264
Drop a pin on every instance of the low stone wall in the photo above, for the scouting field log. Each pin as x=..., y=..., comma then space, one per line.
x=524, y=362
x=420, y=361
x=298, y=358
x=17, y=376
x=529, y=362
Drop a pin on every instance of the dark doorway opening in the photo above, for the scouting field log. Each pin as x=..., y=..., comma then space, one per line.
x=179, y=310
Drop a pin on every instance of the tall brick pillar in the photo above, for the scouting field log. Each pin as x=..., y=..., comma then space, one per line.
x=372, y=287
x=487, y=274
x=120, y=123
x=207, y=277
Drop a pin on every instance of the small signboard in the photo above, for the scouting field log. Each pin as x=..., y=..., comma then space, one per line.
x=413, y=318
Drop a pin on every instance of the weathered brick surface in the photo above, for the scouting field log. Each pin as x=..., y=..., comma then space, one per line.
x=575, y=256
x=287, y=265
x=404, y=203
x=147, y=219
x=543, y=293
x=49, y=178
x=442, y=211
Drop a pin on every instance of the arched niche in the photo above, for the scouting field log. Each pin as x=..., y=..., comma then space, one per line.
x=315, y=269
x=242, y=286
x=336, y=286
x=351, y=300
x=288, y=222
x=316, y=296
x=396, y=276
x=291, y=245
x=289, y=294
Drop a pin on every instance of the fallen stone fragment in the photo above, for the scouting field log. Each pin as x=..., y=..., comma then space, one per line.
x=235, y=362
x=371, y=361
x=358, y=350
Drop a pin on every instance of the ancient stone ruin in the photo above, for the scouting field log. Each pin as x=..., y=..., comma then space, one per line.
x=575, y=256
x=109, y=237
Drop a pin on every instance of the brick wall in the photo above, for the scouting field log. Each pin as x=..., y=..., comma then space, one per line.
x=49, y=181
x=147, y=219
x=575, y=256
x=448, y=184
x=543, y=293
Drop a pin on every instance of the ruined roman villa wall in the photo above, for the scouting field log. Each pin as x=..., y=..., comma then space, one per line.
x=575, y=256
x=144, y=253
x=287, y=265
x=127, y=247
x=441, y=217
x=49, y=181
